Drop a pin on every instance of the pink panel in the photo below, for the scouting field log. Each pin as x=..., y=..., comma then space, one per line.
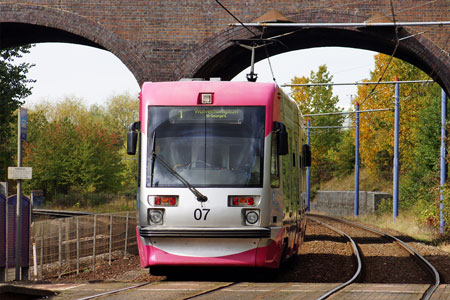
x=268, y=257
x=244, y=259
x=225, y=93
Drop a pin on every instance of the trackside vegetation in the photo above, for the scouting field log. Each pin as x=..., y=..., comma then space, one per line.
x=333, y=150
x=78, y=153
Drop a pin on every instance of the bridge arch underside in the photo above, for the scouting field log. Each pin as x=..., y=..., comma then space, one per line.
x=17, y=34
x=229, y=60
x=23, y=24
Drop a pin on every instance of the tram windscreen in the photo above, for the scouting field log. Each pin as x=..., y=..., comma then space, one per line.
x=207, y=146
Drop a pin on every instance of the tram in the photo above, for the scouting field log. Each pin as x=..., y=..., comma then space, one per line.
x=221, y=174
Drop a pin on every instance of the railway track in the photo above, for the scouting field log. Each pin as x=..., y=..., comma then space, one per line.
x=433, y=275
x=193, y=293
x=184, y=290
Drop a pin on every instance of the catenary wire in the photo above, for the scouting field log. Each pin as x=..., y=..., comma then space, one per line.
x=234, y=17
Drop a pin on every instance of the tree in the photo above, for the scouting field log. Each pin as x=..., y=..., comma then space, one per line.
x=71, y=151
x=377, y=129
x=419, y=136
x=314, y=100
x=121, y=111
x=13, y=89
x=343, y=155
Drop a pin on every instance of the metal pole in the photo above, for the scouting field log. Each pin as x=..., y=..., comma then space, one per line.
x=126, y=235
x=355, y=83
x=330, y=127
x=356, y=208
x=94, y=243
x=78, y=244
x=35, y=270
x=347, y=112
x=110, y=237
x=326, y=25
x=42, y=251
x=308, y=169
x=19, y=200
x=60, y=248
x=443, y=163
x=396, y=137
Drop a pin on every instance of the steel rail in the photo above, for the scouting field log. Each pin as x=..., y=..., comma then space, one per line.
x=355, y=252
x=423, y=261
x=204, y=292
x=114, y=291
x=212, y=290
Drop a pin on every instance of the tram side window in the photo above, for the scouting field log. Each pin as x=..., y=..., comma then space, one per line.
x=274, y=164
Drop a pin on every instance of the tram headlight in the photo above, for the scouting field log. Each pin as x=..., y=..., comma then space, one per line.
x=251, y=217
x=155, y=216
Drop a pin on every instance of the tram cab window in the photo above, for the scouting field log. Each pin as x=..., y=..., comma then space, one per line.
x=209, y=147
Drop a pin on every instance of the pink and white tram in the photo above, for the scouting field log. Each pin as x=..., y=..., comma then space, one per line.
x=221, y=174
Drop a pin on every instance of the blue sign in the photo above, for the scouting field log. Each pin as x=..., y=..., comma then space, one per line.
x=37, y=198
x=23, y=124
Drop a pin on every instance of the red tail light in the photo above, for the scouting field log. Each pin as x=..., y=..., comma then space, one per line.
x=241, y=201
x=166, y=200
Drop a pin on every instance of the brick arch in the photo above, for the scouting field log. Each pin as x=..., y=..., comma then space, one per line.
x=218, y=57
x=24, y=24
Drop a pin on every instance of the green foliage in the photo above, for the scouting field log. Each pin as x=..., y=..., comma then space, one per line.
x=13, y=88
x=121, y=111
x=385, y=207
x=421, y=173
x=314, y=100
x=343, y=156
x=76, y=150
x=333, y=151
x=446, y=211
x=419, y=137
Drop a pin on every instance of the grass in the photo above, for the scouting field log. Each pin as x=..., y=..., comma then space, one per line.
x=116, y=205
x=408, y=224
x=366, y=183
x=407, y=221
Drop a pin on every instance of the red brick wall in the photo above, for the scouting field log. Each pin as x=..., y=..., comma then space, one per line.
x=169, y=39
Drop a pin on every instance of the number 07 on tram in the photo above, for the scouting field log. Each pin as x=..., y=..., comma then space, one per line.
x=221, y=174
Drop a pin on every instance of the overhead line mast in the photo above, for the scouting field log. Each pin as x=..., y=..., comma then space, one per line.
x=363, y=24
x=355, y=83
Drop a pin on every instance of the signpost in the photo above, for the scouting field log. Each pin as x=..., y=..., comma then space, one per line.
x=23, y=123
x=20, y=173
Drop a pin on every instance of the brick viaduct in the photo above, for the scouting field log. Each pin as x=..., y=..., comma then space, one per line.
x=170, y=39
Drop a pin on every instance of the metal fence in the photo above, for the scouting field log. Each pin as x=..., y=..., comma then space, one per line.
x=71, y=245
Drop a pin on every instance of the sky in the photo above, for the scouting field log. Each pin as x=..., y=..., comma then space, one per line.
x=94, y=75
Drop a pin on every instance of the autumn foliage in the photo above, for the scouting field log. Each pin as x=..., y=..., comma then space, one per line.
x=419, y=134
x=316, y=100
x=73, y=149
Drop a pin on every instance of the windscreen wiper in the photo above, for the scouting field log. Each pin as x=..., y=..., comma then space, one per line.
x=200, y=196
